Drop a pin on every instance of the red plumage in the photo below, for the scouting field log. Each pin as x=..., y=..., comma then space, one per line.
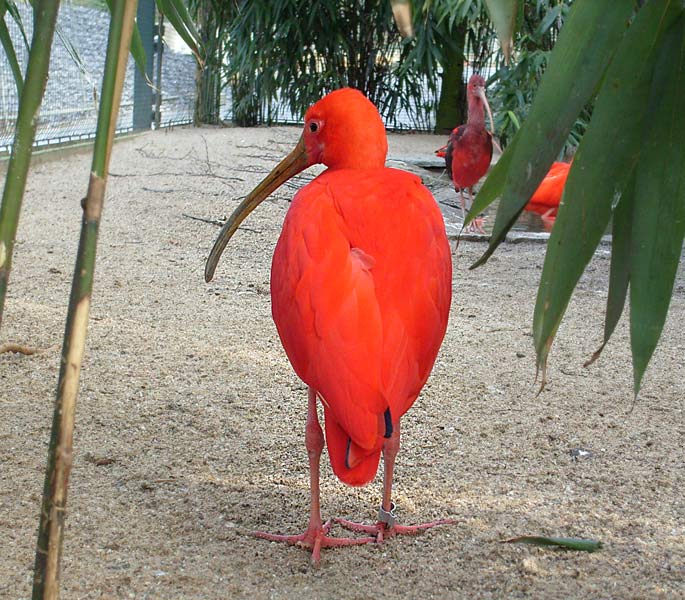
x=469, y=150
x=361, y=284
x=547, y=197
x=360, y=300
x=469, y=153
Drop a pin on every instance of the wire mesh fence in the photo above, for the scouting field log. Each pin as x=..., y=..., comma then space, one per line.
x=69, y=109
x=70, y=105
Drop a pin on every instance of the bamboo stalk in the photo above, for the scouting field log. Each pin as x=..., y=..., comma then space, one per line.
x=60, y=452
x=44, y=19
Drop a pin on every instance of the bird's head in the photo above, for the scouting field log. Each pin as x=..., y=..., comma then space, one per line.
x=478, y=102
x=476, y=85
x=343, y=130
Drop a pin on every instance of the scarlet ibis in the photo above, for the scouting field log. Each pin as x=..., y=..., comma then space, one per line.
x=469, y=150
x=545, y=201
x=360, y=289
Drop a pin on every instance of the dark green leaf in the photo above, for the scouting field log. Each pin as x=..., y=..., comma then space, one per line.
x=492, y=188
x=659, y=217
x=585, y=46
x=619, y=275
x=579, y=544
x=598, y=177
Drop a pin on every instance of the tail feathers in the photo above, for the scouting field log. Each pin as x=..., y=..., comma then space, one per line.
x=351, y=463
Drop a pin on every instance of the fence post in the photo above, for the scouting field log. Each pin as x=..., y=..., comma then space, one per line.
x=142, y=92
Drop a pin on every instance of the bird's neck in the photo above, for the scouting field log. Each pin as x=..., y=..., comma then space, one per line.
x=476, y=114
x=362, y=155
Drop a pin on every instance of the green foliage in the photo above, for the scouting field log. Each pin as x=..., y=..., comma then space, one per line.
x=213, y=19
x=298, y=51
x=10, y=7
x=630, y=165
x=295, y=52
x=513, y=87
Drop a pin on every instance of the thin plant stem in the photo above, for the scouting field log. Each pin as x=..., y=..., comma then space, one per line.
x=60, y=452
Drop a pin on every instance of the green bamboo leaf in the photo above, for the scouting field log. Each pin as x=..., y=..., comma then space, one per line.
x=76, y=58
x=177, y=14
x=585, y=46
x=514, y=119
x=11, y=8
x=551, y=16
x=659, y=218
x=11, y=55
x=598, y=177
x=580, y=544
x=138, y=52
x=503, y=16
x=619, y=275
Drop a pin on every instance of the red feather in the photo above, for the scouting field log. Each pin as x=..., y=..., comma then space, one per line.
x=547, y=197
x=350, y=325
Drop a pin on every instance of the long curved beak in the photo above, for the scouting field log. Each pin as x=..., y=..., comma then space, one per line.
x=481, y=94
x=290, y=166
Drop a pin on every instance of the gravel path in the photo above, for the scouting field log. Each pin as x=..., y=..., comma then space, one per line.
x=190, y=421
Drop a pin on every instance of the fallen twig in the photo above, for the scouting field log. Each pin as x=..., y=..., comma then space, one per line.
x=204, y=220
x=18, y=349
x=218, y=223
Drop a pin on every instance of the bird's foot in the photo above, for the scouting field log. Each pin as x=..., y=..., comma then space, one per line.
x=314, y=538
x=387, y=526
x=476, y=226
x=548, y=219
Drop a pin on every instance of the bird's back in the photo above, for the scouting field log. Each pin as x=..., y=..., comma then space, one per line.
x=549, y=192
x=361, y=289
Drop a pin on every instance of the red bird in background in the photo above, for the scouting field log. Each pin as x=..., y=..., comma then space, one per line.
x=469, y=150
x=361, y=284
x=545, y=201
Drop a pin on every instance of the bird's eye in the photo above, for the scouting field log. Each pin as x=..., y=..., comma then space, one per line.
x=313, y=127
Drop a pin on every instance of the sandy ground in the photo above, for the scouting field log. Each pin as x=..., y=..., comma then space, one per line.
x=190, y=420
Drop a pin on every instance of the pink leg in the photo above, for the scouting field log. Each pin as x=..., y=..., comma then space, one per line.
x=476, y=226
x=462, y=201
x=315, y=536
x=549, y=218
x=386, y=525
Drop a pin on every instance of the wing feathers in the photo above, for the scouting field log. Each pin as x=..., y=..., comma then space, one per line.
x=361, y=287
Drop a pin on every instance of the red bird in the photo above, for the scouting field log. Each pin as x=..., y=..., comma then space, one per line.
x=469, y=150
x=545, y=201
x=360, y=289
